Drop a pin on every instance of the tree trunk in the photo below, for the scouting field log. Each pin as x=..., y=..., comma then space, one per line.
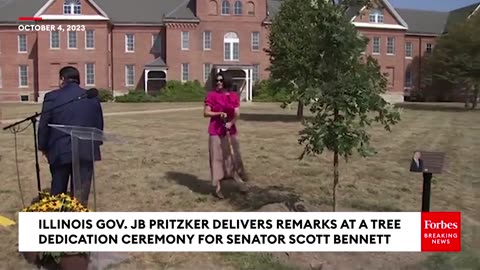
x=335, y=180
x=467, y=96
x=300, y=110
x=335, y=168
x=475, y=98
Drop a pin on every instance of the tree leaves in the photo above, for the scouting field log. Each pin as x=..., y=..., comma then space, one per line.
x=321, y=52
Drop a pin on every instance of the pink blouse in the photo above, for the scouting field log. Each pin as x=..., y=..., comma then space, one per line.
x=220, y=101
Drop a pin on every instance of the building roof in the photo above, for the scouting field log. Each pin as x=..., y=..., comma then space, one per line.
x=144, y=11
x=424, y=21
x=459, y=15
x=10, y=10
x=160, y=11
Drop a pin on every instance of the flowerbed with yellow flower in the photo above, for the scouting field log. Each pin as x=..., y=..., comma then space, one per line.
x=57, y=260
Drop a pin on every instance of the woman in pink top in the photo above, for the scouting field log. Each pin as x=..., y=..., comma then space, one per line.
x=223, y=107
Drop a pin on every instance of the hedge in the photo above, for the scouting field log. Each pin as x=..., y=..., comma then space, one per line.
x=268, y=91
x=175, y=91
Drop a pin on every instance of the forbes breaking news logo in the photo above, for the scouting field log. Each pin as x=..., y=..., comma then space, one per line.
x=441, y=231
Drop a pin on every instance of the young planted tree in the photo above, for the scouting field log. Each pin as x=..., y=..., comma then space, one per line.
x=456, y=59
x=317, y=47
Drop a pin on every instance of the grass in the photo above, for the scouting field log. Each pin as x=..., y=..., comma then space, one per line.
x=164, y=167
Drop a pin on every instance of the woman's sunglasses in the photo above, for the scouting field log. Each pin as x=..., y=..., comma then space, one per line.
x=219, y=80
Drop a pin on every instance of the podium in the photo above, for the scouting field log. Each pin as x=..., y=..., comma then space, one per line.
x=84, y=142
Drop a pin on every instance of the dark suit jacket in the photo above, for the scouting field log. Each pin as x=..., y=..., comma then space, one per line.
x=85, y=112
x=414, y=167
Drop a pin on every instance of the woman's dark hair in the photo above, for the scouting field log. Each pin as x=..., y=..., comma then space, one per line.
x=227, y=80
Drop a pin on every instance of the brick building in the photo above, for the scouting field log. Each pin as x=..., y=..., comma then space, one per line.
x=123, y=45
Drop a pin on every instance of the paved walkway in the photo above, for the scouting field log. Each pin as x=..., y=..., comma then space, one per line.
x=10, y=121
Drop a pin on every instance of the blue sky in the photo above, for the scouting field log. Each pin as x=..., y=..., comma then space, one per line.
x=440, y=5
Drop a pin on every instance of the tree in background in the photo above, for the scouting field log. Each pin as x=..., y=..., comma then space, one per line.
x=456, y=60
x=314, y=45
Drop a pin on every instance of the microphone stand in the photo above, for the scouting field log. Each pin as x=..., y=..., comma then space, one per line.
x=33, y=120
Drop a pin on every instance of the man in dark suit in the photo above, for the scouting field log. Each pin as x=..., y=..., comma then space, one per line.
x=56, y=146
x=417, y=163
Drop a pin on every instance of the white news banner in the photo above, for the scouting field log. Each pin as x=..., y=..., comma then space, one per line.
x=220, y=232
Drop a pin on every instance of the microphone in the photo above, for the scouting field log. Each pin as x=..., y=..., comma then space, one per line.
x=90, y=93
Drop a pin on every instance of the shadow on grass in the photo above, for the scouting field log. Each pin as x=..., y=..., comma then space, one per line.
x=259, y=117
x=255, y=198
x=439, y=107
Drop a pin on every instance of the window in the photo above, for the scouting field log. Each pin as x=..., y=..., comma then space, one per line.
x=408, y=49
x=237, y=8
x=129, y=75
x=429, y=48
x=22, y=43
x=157, y=43
x=23, y=76
x=72, y=7
x=408, y=78
x=207, y=41
x=255, y=72
x=255, y=41
x=90, y=39
x=225, y=7
x=376, y=16
x=185, y=41
x=54, y=40
x=24, y=98
x=207, y=71
x=251, y=8
x=129, y=43
x=90, y=74
x=231, y=45
x=376, y=45
x=185, y=72
x=72, y=40
x=391, y=45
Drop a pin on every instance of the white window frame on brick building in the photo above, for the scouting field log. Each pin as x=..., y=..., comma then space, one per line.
x=207, y=40
x=89, y=78
x=237, y=8
x=87, y=39
x=23, y=76
x=225, y=7
x=72, y=41
x=429, y=48
x=54, y=40
x=207, y=71
x=130, y=75
x=376, y=42
x=231, y=47
x=185, y=40
x=376, y=16
x=129, y=43
x=390, y=46
x=255, y=41
x=72, y=7
x=185, y=72
x=22, y=43
x=408, y=50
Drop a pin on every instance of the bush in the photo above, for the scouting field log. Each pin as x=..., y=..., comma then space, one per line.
x=105, y=95
x=175, y=91
x=268, y=91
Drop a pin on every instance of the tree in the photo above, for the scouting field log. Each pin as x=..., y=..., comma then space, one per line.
x=343, y=86
x=456, y=59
